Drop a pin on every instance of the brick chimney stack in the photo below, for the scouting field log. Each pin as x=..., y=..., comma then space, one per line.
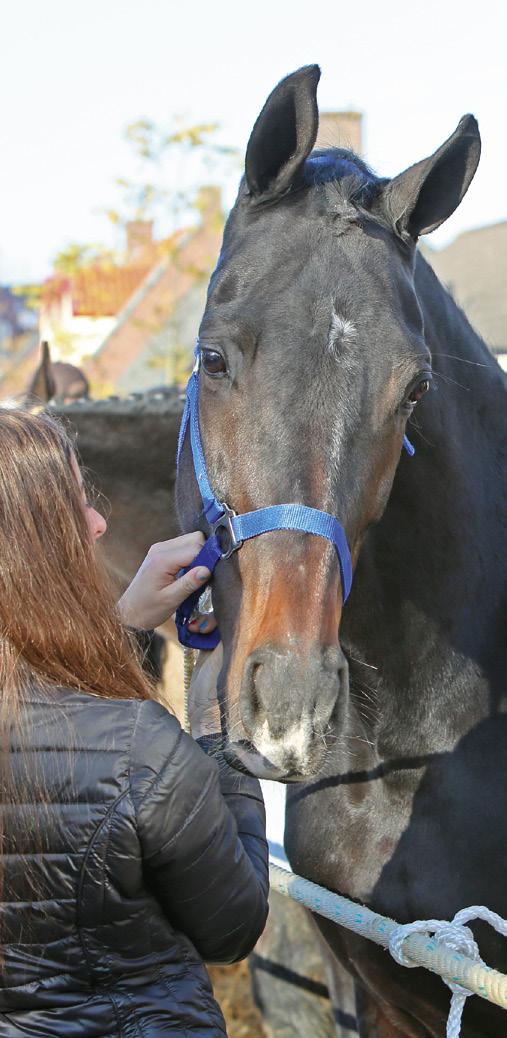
x=139, y=240
x=340, y=130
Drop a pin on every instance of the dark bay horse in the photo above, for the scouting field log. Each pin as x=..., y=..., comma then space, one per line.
x=324, y=328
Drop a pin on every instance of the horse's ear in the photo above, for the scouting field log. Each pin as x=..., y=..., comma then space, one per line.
x=47, y=374
x=283, y=135
x=43, y=385
x=422, y=197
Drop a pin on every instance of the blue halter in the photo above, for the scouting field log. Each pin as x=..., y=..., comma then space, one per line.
x=229, y=530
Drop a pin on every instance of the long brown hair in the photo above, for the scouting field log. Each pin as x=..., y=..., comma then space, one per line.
x=58, y=620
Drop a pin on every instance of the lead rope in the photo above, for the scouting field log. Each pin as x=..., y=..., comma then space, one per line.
x=188, y=670
x=452, y=954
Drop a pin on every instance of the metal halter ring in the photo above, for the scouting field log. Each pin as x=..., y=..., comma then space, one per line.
x=225, y=523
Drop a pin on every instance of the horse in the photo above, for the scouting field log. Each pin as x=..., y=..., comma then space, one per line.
x=325, y=338
x=56, y=380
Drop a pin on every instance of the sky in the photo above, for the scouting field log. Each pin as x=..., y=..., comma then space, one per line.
x=74, y=74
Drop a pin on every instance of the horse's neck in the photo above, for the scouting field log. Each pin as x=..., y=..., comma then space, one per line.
x=427, y=599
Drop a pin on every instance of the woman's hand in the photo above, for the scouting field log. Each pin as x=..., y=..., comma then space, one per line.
x=203, y=708
x=156, y=591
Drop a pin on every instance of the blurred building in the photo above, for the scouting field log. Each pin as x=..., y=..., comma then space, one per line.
x=18, y=337
x=129, y=326
x=17, y=317
x=474, y=269
x=152, y=338
x=78, y=310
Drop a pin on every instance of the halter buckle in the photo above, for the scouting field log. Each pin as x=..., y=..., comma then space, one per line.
x=224, y=530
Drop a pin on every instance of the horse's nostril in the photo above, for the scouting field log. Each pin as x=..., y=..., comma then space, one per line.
x=282, y=691
x=254, y=695
x=250, y=705
x=255, y=670
x=343, y=675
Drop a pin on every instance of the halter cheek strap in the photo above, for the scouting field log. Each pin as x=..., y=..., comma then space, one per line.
x=229, y=530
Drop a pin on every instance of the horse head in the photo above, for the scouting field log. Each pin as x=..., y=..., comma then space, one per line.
x=313, y=357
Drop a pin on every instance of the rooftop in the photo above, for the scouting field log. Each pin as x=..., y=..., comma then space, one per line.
x=98, y=291
x=474, y=268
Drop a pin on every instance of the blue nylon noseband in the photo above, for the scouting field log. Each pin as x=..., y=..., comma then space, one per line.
x=229, y=530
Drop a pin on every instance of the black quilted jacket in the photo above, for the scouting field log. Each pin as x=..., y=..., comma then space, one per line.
x=145, y=857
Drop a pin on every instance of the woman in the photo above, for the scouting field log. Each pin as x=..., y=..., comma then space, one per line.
x=128, y=854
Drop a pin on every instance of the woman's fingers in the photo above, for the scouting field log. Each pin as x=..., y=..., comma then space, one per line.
x=156, y=590
x=168, y=557
x=180, y=589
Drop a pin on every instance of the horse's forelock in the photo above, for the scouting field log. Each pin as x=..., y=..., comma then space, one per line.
x=354, y=181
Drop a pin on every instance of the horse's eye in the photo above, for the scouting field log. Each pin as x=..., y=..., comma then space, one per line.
x=213, y=362
x=419, y=390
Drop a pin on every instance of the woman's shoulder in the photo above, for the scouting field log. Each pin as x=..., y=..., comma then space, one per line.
x=156, y=729
x=146, y=723
x=155, y=751
x=99, y=721
x=162, y=751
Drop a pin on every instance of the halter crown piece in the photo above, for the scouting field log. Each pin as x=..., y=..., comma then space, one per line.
x=229, y=530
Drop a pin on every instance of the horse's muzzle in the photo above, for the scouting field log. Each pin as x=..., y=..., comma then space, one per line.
x=286, y=706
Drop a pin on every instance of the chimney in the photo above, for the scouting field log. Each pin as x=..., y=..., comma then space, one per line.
x=139, y=240
x=340, y=130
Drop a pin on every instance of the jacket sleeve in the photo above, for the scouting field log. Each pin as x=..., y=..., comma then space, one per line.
x=201, y=827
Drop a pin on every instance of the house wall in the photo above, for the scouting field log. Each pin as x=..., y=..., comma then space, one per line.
x=161, y=360
x=474, y=269
x=71, y=338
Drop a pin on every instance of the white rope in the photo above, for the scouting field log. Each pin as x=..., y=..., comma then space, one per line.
x=456, y=937
x=452, y=952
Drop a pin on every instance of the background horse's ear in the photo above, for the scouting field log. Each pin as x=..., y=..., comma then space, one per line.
x=283, y=135
x=422, y=197
x=42, y=386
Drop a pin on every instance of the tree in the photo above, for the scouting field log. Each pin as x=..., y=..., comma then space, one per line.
x=173, y=163
x=75, y=256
